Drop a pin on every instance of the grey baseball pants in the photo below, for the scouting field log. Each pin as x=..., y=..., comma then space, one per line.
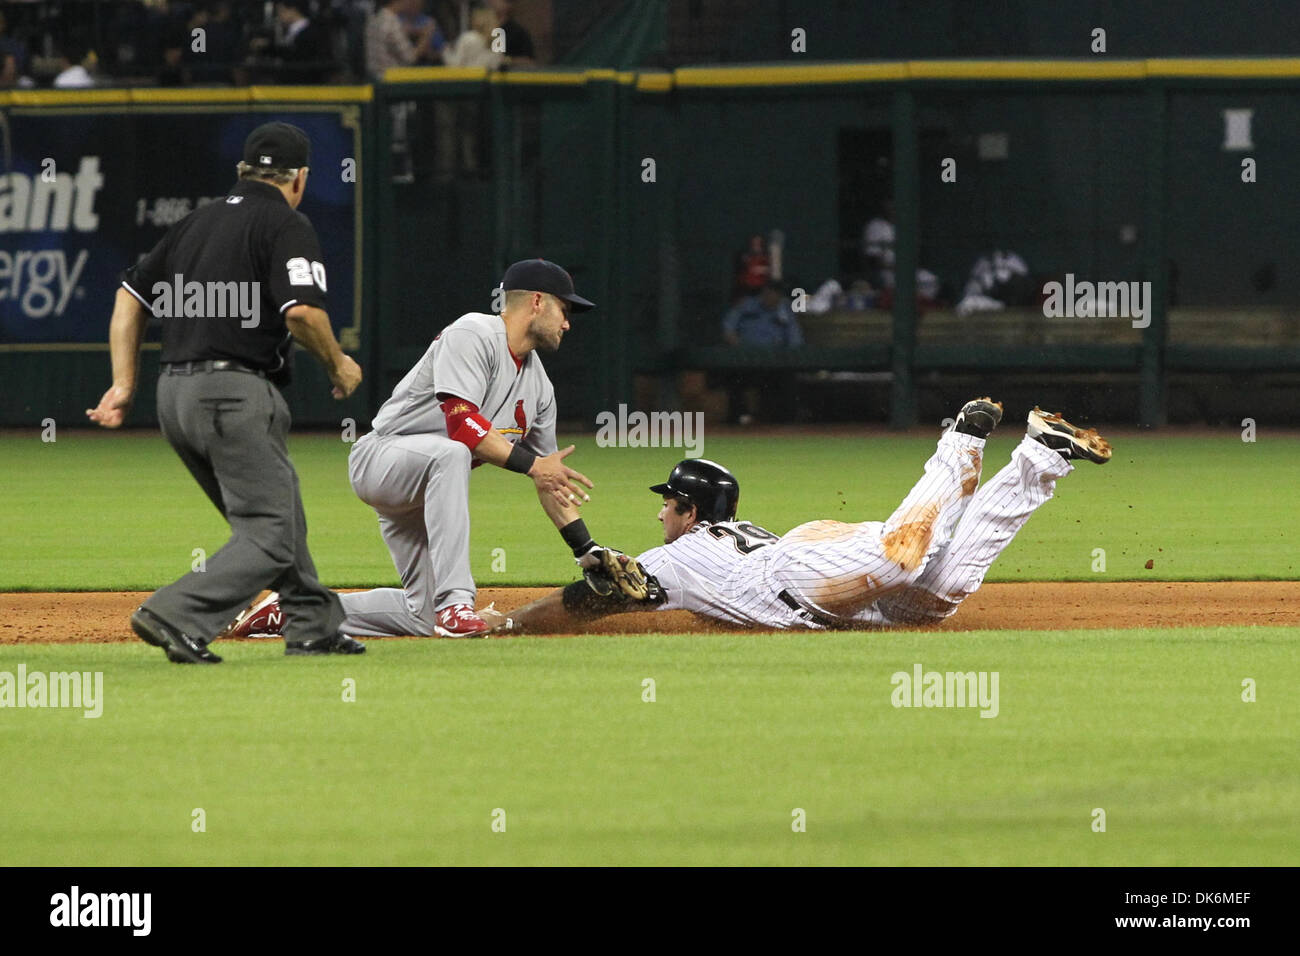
x=419, y=487
x=229, y=429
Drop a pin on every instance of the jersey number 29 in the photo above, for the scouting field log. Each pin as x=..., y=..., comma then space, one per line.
x=745, y=536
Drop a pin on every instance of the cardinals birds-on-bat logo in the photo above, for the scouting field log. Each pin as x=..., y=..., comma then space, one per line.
x=521, y=421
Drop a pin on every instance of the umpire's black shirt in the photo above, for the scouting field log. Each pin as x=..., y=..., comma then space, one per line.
x=252, y=236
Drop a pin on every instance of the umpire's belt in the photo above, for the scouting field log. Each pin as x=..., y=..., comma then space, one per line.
x=211, y=365
x=808, y=614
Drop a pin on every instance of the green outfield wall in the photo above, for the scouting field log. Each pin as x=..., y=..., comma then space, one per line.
x=1171, y=174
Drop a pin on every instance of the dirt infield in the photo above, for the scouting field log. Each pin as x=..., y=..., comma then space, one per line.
x=101, y=617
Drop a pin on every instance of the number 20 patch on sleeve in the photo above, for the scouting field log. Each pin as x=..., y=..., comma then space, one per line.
x=302, y=272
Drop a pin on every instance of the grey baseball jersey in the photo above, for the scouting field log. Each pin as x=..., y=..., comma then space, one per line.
x=471, y=360
x=416, y=477
x=916, y=567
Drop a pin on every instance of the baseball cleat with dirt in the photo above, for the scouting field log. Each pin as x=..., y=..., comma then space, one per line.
x=460, y=620
x=978, y=417
x=1050, y=429
x=263, y=618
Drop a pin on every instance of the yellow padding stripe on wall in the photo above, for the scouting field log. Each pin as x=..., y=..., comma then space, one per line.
x=191, y=97
x=694, y=78
x=1026, y=69
x=434, y=74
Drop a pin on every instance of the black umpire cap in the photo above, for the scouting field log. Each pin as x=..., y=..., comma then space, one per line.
x=539, y=275
x=711, y=488
x=277, y=146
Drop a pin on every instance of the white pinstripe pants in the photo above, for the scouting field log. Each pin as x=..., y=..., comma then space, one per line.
x=932, y=552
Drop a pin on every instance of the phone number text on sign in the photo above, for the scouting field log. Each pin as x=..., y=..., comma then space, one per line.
x=167, y=211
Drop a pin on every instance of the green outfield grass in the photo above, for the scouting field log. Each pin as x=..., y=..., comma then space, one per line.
x=118, y=511
x=1147, y=725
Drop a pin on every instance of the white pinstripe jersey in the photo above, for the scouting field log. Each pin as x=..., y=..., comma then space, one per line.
x=719, y=569
x=916, y=568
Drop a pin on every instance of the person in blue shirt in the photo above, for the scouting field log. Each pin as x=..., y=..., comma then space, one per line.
x=764, y=321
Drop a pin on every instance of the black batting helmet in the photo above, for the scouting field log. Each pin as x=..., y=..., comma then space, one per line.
x=711, y=488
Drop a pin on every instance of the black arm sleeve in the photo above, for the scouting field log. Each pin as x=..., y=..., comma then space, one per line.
x=140, y=278
x=297, y=272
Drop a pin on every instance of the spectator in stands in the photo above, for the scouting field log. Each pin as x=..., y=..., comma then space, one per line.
x=387, y=46
x=173, y=42
x=303, y=45
x=218, y=59
x=172, y=72
x=416, y=22
x=878, y=247
x=753, y=269
x=13, y=59
x=127, y=38
x=474, y=46
x=459, y=122
x=878, y=264
x=166, y=38
x=763, y=321
x=997, y=281
x=519, y=42
x=77, y=68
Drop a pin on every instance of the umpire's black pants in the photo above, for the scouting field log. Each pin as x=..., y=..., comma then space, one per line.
x=229, y=428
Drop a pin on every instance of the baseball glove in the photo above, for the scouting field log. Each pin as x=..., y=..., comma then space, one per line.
x=610, y=572
x=495, y=619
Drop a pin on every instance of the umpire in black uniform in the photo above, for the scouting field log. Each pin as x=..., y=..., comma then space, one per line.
x=234, y=283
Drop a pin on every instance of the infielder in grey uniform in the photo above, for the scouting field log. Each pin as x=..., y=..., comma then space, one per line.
x=914, y=568
x=480, y=392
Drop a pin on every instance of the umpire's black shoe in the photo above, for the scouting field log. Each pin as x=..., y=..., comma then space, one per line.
x=179, y=647
x=978, y=417
x=338, y=643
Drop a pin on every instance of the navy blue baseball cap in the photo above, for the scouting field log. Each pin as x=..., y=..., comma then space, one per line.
x=539, y=275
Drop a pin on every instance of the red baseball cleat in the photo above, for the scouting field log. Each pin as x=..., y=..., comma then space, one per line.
x=263, y=619
x=459, y=620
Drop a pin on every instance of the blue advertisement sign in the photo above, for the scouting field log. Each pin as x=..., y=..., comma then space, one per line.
x=86, y=191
